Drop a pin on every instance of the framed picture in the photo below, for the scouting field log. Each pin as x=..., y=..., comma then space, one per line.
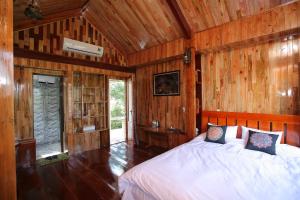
x=166, y=84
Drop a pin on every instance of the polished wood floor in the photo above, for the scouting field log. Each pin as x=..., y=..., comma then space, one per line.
x=89, y=175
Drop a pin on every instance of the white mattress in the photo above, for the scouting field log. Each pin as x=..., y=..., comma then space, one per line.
x=203, y=170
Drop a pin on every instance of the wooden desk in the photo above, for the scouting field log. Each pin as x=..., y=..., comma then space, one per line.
x=169, y=136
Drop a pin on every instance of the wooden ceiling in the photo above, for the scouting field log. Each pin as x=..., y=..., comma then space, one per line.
x=48, y=8
x=133, y=25
x=204, y=14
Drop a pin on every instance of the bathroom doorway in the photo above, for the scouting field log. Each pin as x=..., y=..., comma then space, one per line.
x=48, y=115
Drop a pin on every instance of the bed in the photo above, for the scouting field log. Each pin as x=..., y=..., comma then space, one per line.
x=205, y=170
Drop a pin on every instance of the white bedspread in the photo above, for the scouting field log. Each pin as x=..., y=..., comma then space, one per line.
x=203, y=170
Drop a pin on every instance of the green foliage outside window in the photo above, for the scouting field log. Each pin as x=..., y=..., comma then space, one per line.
x=117, y=103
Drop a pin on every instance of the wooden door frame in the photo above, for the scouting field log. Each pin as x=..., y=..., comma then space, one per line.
x=125, y=79
x=128, y=112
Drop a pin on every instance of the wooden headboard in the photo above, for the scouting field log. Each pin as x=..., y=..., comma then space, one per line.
x=289, y=124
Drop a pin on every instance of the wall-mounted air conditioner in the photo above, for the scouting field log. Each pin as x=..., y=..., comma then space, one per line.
x=82, y=48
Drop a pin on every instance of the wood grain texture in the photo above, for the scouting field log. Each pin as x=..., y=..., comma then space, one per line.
x=24, y=70
x=23, y=53
x=166, y=109
x=169, y=110
x=202, y=15
x=7, y=148
x=257, y=79
x=48, y=8
x=29, y=23
x=269, y=25
x=177, y=12
x=135, y=25
x=166, y=50
x=190, y=88
x=88, y=175
x=288, y=124
x=48, y=38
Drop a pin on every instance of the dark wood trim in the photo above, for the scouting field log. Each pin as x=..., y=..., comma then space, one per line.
x=48, y=19
x=18, y=52
x=173, y=4
x=284, y=133
x=159, y=61
x=84, y=5
x=253, y=116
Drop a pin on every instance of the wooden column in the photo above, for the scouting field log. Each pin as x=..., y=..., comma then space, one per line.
x=191, y=96
x=7, y=148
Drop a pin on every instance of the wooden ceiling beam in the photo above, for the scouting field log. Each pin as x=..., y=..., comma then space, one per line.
x=23, y=53
x=178, y=14
x=85, y=5
x=48, y=19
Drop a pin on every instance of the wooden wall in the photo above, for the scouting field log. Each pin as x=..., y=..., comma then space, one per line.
x=247, y=66
x=167, y=50
x=167, y=109
x=23, y=72
x=275, y=23
x=237, y=62
x=7, y=149
x=176, y=111
x=48, y=38
x=263, y=78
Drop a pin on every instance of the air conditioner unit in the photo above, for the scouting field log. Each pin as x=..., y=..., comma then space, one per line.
x=82, y=48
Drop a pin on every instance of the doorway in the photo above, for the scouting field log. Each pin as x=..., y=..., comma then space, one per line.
x=117, y=105
x=48, y=115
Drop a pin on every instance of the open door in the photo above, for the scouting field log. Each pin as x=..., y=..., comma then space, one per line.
x=117, y=107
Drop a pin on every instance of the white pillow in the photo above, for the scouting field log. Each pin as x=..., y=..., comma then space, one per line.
x=245, y=133
x=231, y=132
x=202, y=136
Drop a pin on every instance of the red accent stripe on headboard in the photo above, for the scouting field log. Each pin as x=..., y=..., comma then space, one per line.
x=289, y=124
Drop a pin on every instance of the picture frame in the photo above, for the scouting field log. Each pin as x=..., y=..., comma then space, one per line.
x=166, y=84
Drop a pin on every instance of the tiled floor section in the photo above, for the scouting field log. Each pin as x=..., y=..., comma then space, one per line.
x=89, y=175
x=47, y=149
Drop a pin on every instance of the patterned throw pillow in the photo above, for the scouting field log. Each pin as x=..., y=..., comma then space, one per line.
x=263, y=142
x=216, y=134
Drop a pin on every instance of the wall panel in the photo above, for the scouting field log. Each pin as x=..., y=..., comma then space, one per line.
x=275, y=23
x=48, y=38
x=169, y=49
x=169, y=110
x=166, y=109
x=258, y=79
x=24, y=70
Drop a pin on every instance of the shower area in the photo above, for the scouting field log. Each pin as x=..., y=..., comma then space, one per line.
x=48, y=115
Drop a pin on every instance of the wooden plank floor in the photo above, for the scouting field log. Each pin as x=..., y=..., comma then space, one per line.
x=89, y=175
